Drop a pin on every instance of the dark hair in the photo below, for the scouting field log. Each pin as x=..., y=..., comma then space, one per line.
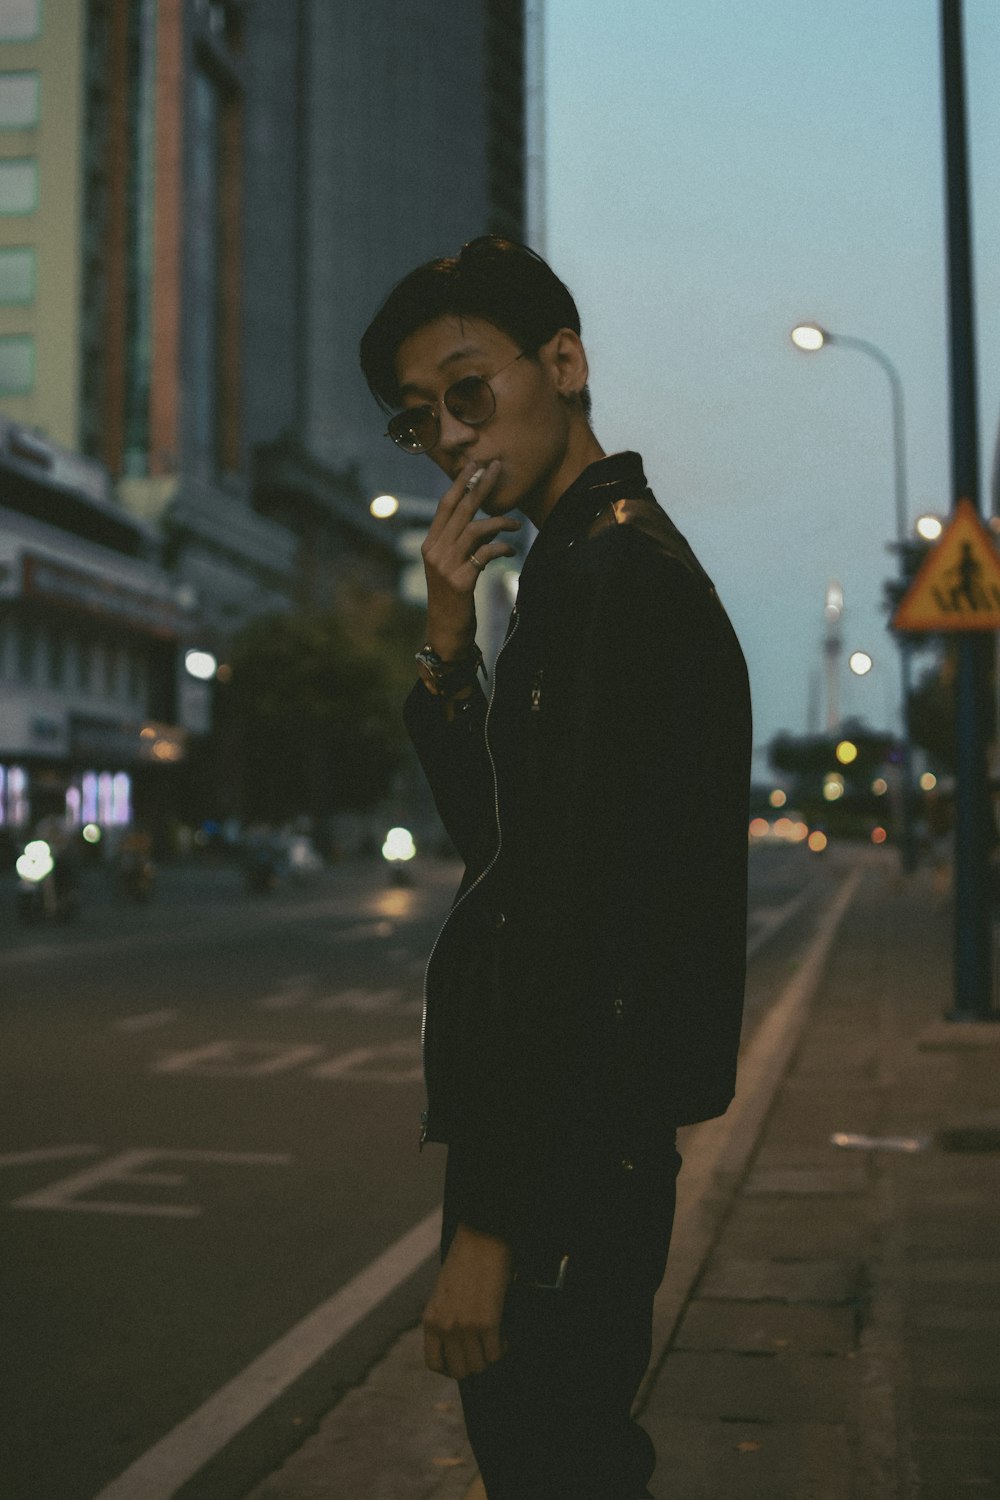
x=495, y=279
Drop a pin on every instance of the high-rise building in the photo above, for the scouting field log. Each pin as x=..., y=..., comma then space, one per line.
x=90, y=625
x=41, y=108
x=202, y=203
x=376, y=137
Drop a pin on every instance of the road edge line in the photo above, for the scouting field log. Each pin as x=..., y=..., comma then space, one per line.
x=716, y=1152
x=183, y=1452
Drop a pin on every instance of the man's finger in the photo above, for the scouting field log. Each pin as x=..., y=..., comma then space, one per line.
x=434, y=1354
x=494, y=1346
x=450, y=499
x=476, y=487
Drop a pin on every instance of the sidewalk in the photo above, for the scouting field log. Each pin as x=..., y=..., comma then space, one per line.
x=829, y=1325
x=842, y=1341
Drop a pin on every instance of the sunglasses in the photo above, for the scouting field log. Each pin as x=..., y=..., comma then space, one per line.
x=470, y=399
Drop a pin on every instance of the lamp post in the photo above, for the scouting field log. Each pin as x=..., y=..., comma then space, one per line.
x=810, y=338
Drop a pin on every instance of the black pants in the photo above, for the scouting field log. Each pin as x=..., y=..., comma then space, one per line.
x=551, y=1420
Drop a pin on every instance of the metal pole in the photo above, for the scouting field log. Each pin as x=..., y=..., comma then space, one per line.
x=973, y=979
x=907, y=841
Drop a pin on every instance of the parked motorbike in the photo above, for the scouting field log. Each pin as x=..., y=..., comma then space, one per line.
x=262, y=862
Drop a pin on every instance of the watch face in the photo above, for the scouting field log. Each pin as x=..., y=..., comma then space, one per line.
x=427, y=673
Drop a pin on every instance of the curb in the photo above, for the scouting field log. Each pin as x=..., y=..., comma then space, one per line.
x=717, y=1153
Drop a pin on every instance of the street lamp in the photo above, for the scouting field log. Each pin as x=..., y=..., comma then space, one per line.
x=810, y=338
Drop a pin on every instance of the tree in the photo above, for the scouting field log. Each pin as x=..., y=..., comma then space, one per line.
x=932, y=712
x=313, y=710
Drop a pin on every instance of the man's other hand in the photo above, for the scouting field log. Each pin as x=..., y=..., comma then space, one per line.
x=462, y=1319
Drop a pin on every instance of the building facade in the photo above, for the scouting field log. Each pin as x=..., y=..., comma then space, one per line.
x=202, y=203
x=92, y=634
x=410, y=139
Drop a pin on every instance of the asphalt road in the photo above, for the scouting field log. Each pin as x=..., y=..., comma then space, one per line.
x=209, y=1112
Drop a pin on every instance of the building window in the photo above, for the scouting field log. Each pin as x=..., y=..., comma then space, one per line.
x=17, y=365
x=20, y=20
x=56, y=654
x=112, y=674
x=17, y=277
x=85, y=665
x=25, y=653
x=141, y=95
x=135, y=676
x=13, y=797
x=204, y=272
x=18, y=100
x=18, y=185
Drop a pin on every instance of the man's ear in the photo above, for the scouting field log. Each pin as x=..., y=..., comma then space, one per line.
x=566, y=361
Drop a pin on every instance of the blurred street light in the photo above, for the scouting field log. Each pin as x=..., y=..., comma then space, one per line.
x=384, y=506
x=860, y=663
x=810, y=338
x=929, y=527
x=200, y=664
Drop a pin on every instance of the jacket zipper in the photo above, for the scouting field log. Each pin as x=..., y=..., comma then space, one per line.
x=515, y=620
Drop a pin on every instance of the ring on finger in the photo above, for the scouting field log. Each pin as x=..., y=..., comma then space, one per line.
x=474, y=560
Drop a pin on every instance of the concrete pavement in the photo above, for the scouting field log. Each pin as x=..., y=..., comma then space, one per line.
x=828, y=1325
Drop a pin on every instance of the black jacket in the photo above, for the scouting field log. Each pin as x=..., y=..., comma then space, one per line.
x=585, y=995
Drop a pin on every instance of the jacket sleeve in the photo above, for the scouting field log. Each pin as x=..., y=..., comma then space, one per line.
x=456, y=764
x=649, y=841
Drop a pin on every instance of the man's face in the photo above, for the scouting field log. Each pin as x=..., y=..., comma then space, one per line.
x=529, y=430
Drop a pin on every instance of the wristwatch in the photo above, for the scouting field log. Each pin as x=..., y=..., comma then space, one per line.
x=445, y=678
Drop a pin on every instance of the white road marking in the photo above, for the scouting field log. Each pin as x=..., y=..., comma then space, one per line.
x=178, y=1456
x=146, y=1022
x=359, y=931
x=45, y=1153
x=769, y=919
x=361, y=1001
x=392, y=1062
x=362, y=1064
x=296, y=990
x=238, y=1059
x=66, y=1195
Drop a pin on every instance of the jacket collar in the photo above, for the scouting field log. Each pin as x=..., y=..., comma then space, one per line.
x=618, y=476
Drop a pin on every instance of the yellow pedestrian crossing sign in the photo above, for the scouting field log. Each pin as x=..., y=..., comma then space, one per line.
x=958, y=584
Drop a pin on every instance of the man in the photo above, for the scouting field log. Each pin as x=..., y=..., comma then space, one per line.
x=584, y=997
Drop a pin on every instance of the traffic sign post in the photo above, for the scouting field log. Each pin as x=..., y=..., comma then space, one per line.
x=965, y=579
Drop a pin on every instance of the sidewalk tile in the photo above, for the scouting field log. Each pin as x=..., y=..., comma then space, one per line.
x=756, y=1387
x=780, y=1224
x=749, y=1461
x=846, y=1180
x=944, y=1461
x=781, y=1281
x=766, y=1327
